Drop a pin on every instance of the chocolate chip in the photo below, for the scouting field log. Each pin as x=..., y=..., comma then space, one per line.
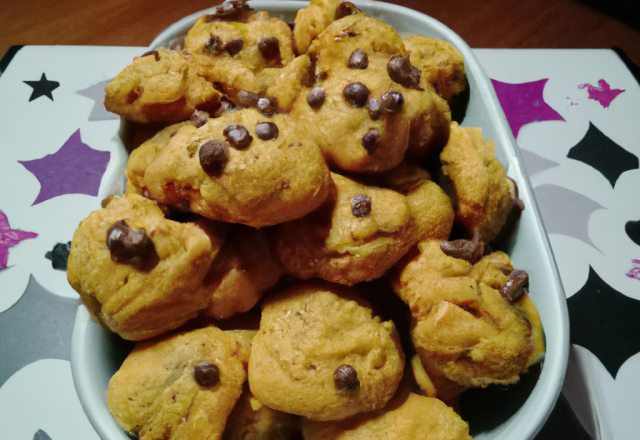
x=134, y=433
x=228, y=11
x=514, y=288
x=375, y=109
x=346, y=378
x=59, y=255
x=392, y=102
x=468, y=250
x=269, y=48
x=237, y=136
x=267, y=131
x=345, y=9
x=356, y=94
x=358, y=60
x=151, y=52
x=401, y=71
x=214, y=155
x=206, y=374
x=515, y=196
x=361, y=205
x=316, y=97
x=247, y=99
x=267, y=106
x=105, y=202
x=128, y=245
x=213, y=46
x=234, y=46
x=321, y=75
x=371, y=140
x=199, y=118
x=468, y=309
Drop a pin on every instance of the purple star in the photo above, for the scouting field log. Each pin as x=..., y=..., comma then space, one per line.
x=603, y=94
x=523, y=103
x=75, y=168
x=9, y=238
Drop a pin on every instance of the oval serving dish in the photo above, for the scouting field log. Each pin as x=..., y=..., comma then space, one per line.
x=96, y=356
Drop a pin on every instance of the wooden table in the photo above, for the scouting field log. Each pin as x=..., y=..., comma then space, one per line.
x=487, y=24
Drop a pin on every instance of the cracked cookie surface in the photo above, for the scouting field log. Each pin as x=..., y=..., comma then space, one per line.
x=321, y=355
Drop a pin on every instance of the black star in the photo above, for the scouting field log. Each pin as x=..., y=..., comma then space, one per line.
x=41, y=435
x=605, y=322
x=44, y=87
x=38, y=326
x=632, y=228
x=597, y=150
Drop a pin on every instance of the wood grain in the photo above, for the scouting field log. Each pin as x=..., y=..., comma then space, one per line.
x=488, y=23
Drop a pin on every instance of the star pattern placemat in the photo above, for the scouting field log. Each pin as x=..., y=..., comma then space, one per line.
x=574, y=114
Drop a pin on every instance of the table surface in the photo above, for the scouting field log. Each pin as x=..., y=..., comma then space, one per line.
x=516, y=24
x=596, y=247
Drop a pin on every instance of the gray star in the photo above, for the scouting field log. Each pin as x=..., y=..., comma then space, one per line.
x=566, y=212
x=38, y=326
x=96, y=93
x=536, y=164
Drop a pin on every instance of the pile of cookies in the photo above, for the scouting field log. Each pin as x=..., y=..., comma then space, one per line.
x=295, y=163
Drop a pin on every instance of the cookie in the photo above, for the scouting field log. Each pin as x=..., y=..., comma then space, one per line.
x=255, y=45
x=354, y=237
x=138, y=273
x=241, y=273
x=432, y=210
x=242, y=167
x=286, y=85
x=405, y=417
x=476, y=182
x=161, y=86
x=180, y=386
x=469, y=326
x=251, y=420
x=440, y=63
x=321, y=355
x=367, y=94
x=143, y=156
x=315, y=18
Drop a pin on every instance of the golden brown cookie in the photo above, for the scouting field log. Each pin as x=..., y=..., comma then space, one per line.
x=429, y=130
x=287, y=84
x=241, y=273
x=242, y=167
x=367, y=95
x=432, y=210
x=476, y=182
x=440, y=63
x=161, y=86
x=321, y=355
x=254, y=45
x=315, y=18
x=180, y=386
x=354, y=237
x=405, y=417
x=144, y=155
x=251, y=420
x=469, y=326
x=138, y=273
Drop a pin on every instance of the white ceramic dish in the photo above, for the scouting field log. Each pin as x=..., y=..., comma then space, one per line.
x=95, y=357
